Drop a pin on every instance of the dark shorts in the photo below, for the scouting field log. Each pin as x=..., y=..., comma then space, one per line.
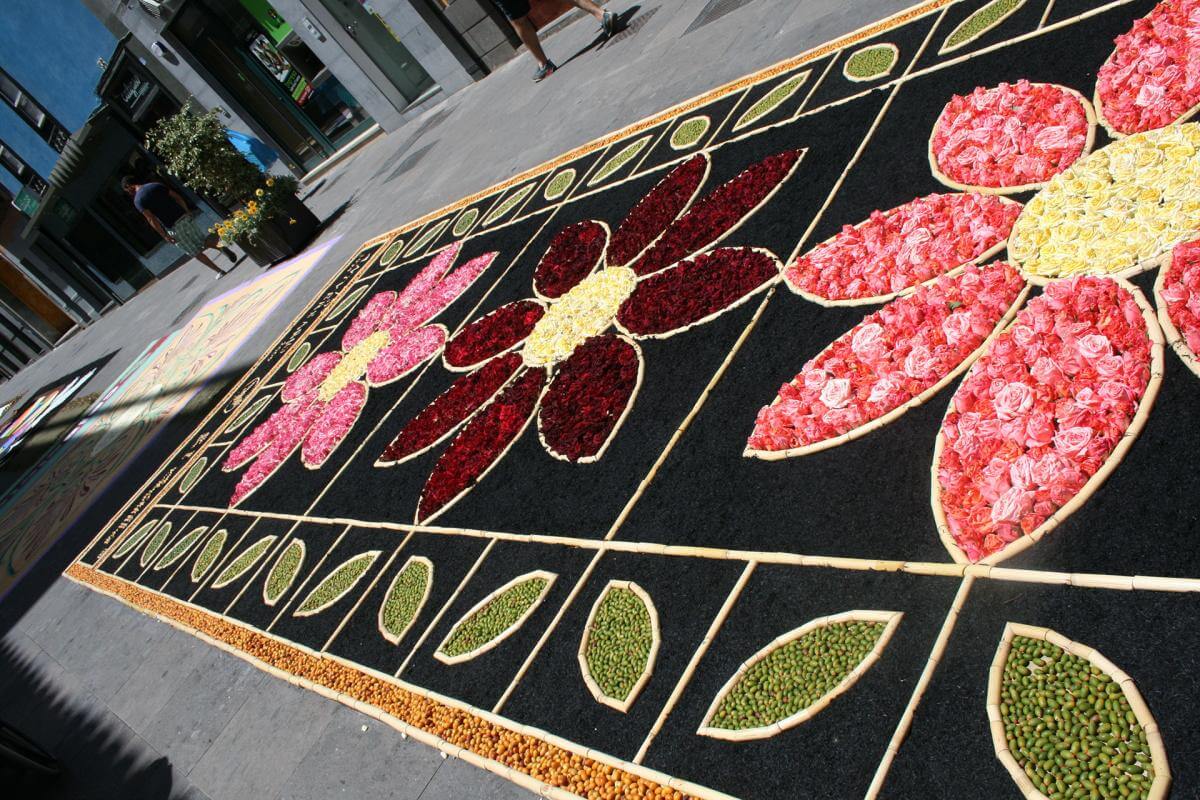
x=513, y=9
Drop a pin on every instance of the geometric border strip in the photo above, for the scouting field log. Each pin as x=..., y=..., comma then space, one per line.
x=464, y=732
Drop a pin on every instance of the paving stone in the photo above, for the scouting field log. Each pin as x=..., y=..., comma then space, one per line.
x=457, y=780
x=162, y=672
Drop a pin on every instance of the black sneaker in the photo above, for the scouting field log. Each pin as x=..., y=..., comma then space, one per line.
x=609, y=24
x=544, y=71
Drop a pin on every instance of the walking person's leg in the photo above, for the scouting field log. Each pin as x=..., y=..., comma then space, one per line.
x=192, y=240
x=607, y=19
x=208, y=262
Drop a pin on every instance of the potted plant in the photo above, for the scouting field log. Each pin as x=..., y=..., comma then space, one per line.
x=268, y=221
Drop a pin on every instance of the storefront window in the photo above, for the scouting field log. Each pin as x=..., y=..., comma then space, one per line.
x=367, y=27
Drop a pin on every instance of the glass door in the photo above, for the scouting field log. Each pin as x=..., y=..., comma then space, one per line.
x=380, y=44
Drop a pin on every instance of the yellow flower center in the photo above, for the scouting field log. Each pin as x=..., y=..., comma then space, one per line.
x=353, y=365
x=586, y=310
x=1116, y=209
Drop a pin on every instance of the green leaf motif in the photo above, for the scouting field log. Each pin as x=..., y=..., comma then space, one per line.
x=193, y=475
x=465, y=221
x=689, y=132
x=620, y=642
x=872, y=62
x=346, y=303
x=507, y=205
x=497, y=616
x=404, y=599
x=557, y=186
x=431, y=233
x=772, y=100
x=244, y=562
x=250, y=413
x=155, y=543
x=136, y=538
x=337, y=584
x=299, y=357
x=979, y=23
x=392, y=253
x=623, y=157
x=180, y=548
x=283, y=573
x=208, y=555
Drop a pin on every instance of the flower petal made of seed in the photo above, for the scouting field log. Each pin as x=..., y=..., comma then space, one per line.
x=495, y=332
x=587, y=400
x=334, y=424
x=457, y=404
x=406, y=354
x=572, y=255
x=696, y=291
x=655, y=212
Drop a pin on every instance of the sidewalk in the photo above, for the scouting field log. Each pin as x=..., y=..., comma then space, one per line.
x=131, y=702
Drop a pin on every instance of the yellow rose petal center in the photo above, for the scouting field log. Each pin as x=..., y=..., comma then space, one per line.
x=353, y=365
x=1114, y=210
x=585, y=311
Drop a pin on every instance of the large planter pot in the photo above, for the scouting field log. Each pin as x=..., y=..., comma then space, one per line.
x=281, y=238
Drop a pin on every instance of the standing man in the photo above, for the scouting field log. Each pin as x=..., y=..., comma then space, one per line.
x=517, y=12
x=169, y=215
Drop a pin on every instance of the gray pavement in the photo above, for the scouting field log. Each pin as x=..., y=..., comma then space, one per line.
x=132, y=703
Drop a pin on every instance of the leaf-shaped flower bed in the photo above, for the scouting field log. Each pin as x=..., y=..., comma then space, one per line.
x=871, y=62
x=405, y=598
x=244, y=562
x=208, y=555
x=180, y=548
x=155, y=544
x=979, y=23
x=896, y=358
x=772, y=100
x=1064, y=719
x=895, y=250
x=337, y=584
x=1178, y=292
x=619, y=644
x=1149, y=79
x=248, y=414
x=1044, y=415
x=796, y=676
x=188, y=482
x=134, y=539
x=1010, y=138
x=494, y=618
x=283, y=572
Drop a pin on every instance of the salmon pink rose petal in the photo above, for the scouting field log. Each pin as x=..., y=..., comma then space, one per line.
x=286, y=418
x=333, y=424
x=457, y=404
x=289, y=426
x=1179, y=298
x=480, y=444
x=399, y=358
x=1152, y=78
x=493, y=333
x=908, y=245
x=573, y=253
x=415, y=310
x=1012, y=135
x=658, y=209
x=719, y=212
x=433, y=272
x=1040, y=413
x=309, y=376
x=370, y=318
x=588, y=397
x=696, y=290
x=894, y=355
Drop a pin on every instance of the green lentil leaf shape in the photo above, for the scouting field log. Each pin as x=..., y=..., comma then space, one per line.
x=155, y=543
x=192, y=475
x=503, y=613
x=244, y=562
x=1068, y=723
x=208, y=555
x=283, y=572
x=346, y=303
x=391, y=253
x=623, y=157
x=431, y=233
x=465, y=221
x=180, y=548
x=620, y=642
x=299, y=357
x=771, y=100
x=979, y=23
x=688, y=133
x=337, y=584
x=507, y=205
x=404, y=599
x=250, y=413
x=557, y=186
x=873, y=61
x=137, y=537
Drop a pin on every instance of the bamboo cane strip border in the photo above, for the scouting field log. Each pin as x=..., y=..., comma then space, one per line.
x=395, y=638
x=943, y=50
x=1088, y=144
x=918, y=694
x=1158, y=753
x=362, y=598
x=694, y=661
x=891, y=620
x=370, y=556
x=647, y=669
x=548, y=577
x=900, y=410
x=433, y=717
x=1093, y=483
x=1046, y=14
x=433, y=623
x=867, y=79
x=1171, y=332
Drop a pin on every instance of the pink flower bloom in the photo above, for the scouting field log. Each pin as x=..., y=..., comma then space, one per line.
x=1014, y=400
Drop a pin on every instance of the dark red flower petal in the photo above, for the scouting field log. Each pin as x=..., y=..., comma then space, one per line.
x=493, y=333
x=718, y=212
x=481, y=443
x=588, y=397
x=696, y=289
x=438, y=419
x=573, y=253
x=658, y=209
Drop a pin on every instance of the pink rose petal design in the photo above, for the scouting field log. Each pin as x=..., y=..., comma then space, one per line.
x=285, y=418
x=894, y=250
x=896, y=357
x=1039, y=415
x=289, y=430
x=334, y=422
x=411, y=351
x=1178, y=291
x=433, y=272
x=370, y=318
x=309, y=376
x=415, y=310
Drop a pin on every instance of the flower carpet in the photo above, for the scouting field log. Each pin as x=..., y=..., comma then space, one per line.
x=828, y=435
